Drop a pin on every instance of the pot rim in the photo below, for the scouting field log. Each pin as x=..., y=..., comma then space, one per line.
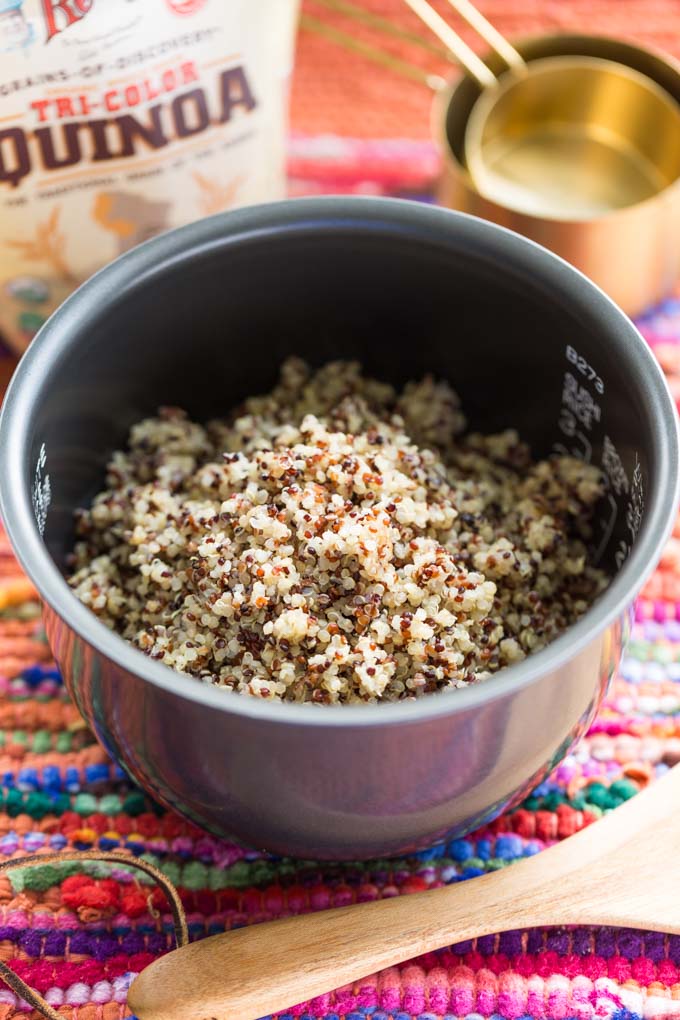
x=428, y=224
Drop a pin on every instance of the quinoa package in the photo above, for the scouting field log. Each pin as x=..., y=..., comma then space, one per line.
x=122, y=118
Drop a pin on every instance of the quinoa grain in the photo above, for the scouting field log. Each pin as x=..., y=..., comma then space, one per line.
x=334, y=541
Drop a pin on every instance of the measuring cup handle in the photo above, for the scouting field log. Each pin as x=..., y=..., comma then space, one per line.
x=460, y=49
x=491, y=36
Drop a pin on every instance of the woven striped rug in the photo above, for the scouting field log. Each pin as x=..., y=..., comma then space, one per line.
x=79, y=935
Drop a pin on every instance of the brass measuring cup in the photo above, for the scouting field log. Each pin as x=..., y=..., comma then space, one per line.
x=576, y=138
x=632, y=252
x=621, y=225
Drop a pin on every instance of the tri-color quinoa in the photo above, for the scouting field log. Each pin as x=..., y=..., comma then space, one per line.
x=334, y=541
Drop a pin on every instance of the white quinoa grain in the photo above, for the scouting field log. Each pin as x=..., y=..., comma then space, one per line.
x=334, y=541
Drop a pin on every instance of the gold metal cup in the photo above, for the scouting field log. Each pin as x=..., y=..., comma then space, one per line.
x=574, y=138
x=632, y=251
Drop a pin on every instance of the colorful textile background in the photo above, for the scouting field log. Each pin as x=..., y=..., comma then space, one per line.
x=360, y=127
x=79, y=936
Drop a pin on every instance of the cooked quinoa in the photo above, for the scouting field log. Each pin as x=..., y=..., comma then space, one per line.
x=335, y=541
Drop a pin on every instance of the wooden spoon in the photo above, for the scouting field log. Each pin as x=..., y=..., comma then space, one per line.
x=615, y=872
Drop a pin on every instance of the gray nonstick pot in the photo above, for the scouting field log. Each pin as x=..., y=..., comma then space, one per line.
x=203, y=316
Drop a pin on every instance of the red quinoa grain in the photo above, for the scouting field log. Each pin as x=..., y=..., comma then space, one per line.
x=406, y=558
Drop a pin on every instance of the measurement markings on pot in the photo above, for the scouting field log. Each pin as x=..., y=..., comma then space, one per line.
x=41, y=491
x=579, y=410
x=618, y=485
x=579, y=413
x=636, y=504
x=585, y=369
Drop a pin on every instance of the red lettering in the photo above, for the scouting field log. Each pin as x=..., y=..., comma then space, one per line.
x=132, y=96
x=50, y=7
x=189, y=72
x=64, y=107
x=71, y=10
x=116, y=135
x=150, y=91
x=40, y=107
x=169, y=81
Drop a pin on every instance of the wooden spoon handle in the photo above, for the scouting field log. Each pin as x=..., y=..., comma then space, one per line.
x=298, y=958
x=615, y=872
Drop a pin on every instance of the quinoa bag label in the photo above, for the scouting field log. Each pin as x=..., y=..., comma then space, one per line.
x=122, y=118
